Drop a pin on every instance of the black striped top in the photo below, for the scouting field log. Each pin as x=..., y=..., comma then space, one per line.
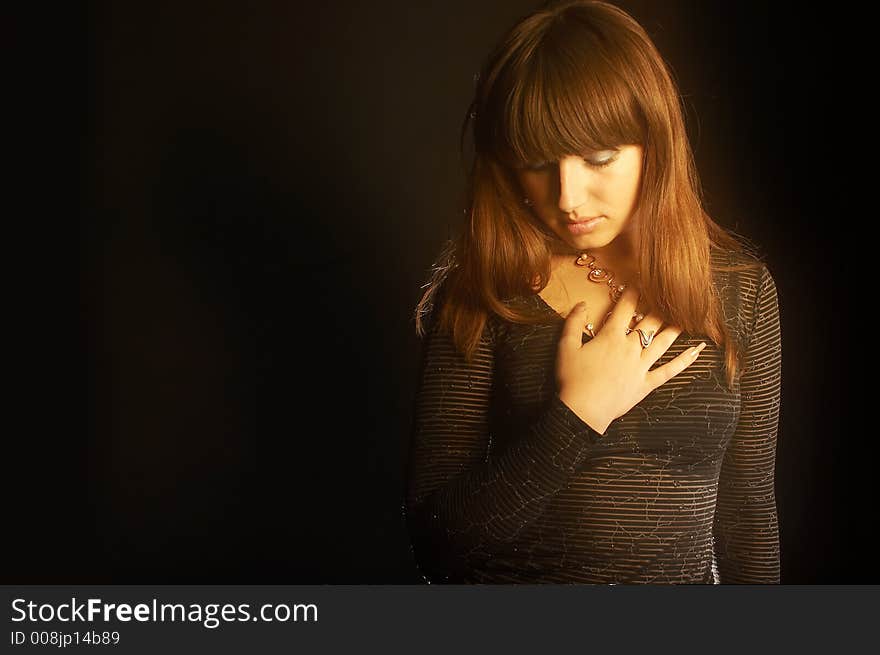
x=508, y=485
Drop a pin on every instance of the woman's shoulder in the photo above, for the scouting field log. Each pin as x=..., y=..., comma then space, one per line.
x=742, y=268
x=436, y=289
x=743, y=281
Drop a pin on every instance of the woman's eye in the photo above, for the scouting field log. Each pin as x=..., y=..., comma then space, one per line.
x=592, y=161
x=604, y=161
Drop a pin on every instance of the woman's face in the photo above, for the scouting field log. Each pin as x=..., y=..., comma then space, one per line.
x=603, y=183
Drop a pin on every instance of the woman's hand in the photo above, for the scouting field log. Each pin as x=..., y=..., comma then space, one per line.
x=605, y=377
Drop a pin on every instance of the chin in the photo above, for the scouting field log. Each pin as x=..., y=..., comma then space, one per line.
x=587, y=241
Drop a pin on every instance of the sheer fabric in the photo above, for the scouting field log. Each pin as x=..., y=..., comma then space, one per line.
x=508, y=485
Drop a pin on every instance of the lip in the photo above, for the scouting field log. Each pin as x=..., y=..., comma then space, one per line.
x=585, y=226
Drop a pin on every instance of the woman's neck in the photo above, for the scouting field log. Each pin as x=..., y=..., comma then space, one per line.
x=620, y=261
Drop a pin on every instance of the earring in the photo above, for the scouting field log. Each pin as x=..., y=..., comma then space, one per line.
x=528, y=202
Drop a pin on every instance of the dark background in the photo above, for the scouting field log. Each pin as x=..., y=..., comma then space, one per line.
x=265, y=186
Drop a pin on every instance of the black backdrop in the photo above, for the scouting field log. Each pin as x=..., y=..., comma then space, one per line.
x=265, y=186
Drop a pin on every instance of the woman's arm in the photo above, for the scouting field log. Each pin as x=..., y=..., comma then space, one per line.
x=461, y=497
x=746, y=531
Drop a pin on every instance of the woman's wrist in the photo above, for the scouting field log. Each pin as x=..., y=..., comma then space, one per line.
x=583, y=412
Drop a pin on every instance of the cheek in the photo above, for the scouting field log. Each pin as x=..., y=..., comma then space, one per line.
x=622, y=189
x=539, y=183
x=534, y=188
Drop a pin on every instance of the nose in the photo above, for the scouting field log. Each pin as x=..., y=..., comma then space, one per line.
x=572, y=183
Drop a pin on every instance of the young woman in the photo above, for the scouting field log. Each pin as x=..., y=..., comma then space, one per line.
x=600, y=388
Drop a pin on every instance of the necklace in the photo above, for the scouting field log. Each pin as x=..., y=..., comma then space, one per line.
x=600, y=275
x=603, y=275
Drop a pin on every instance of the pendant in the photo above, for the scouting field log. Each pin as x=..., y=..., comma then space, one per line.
x=598, y=275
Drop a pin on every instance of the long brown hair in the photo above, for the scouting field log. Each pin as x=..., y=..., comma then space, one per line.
x=570, y=77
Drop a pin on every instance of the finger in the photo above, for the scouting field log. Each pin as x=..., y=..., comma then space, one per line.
x=649, y=321
x=574, y=326
x=663, y=374
x=622, y=313
x=661, y=343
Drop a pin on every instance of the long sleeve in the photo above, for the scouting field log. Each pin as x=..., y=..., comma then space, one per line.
x=461, y=493
x=745, y=526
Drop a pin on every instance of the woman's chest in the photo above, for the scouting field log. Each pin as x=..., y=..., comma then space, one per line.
x=689, y=418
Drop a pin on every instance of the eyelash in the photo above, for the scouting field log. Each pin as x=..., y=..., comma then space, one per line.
x=602, y=164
